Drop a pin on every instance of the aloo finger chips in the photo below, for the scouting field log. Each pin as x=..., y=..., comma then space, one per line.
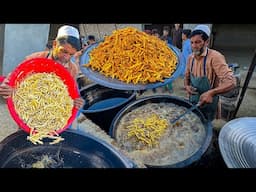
x=43, y=103
x=134, y=57
x=148, y=130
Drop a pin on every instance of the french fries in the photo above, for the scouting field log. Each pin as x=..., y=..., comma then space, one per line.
x=42, y=101
x=133, y=56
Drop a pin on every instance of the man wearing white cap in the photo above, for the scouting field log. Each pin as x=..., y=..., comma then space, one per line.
x=207, y=73
x=66, y=44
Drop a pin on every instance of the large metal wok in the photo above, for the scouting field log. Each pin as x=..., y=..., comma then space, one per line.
x=78, y=150
x=180, y=102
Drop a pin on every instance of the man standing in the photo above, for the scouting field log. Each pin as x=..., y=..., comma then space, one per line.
x=176, y=36
x=207, y=73
x=165, y=36
x=186, y=50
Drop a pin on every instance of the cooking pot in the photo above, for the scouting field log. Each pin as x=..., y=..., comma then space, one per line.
x=78, y=150
x=168, y=99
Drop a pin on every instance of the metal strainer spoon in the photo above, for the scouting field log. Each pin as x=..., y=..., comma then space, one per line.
x=183, y=114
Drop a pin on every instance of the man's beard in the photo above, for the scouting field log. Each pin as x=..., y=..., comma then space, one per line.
x=198, y=52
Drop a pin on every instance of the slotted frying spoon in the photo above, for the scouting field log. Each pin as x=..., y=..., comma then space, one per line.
x=183, y=114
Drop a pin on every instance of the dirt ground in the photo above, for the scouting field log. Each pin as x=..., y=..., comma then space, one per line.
x=211, y=159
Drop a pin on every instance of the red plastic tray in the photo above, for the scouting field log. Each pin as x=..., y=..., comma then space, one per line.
x=2, y=79
x=39, y=65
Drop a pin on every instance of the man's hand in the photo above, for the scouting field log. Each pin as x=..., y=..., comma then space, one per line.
x=78, y=103
x=191, y=90
x=5, y=90
x=206, y=97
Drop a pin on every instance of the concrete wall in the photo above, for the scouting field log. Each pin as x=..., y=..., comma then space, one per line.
x=237, y=42
x=235, y=36
x=101, y=30
x=21, y=40
x=2, y=28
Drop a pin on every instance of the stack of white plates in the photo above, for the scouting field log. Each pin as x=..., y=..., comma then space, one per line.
x=237, y=142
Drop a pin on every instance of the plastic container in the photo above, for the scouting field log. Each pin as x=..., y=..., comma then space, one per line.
x=39, y=65
x=168, y=99
x=103, y=103
x=78, y=150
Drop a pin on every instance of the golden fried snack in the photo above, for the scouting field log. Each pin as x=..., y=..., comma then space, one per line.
x=148, y=130
x=132, y=56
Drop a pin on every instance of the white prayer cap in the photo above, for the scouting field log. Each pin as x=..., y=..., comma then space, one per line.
x=203, y=28
x=68, y=30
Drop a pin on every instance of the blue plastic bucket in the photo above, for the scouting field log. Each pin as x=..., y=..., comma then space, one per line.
x=103, y=103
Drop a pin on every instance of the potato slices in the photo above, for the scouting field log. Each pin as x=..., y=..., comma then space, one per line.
x=43, y=102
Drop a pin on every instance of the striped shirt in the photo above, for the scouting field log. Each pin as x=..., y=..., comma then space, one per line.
x=217, y=69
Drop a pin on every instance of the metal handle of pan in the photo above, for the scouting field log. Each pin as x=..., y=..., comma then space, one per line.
x=187, y=111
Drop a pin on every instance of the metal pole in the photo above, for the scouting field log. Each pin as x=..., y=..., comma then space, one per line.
x=247, y=80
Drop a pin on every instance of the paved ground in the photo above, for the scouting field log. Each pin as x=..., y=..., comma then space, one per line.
x=7, y=125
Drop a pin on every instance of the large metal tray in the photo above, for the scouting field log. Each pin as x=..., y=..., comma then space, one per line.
x=117, y=84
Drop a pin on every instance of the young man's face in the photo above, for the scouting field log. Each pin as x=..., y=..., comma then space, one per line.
x=63, y=53
x=183, y=36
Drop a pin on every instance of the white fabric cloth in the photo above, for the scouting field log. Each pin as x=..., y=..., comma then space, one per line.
x=68, y=30
x=203, y=28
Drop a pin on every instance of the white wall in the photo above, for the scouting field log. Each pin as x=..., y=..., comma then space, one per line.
x=21, y=40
